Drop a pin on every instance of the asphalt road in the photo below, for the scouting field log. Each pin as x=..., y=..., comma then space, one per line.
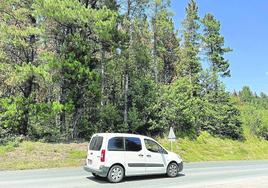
x=211, y=174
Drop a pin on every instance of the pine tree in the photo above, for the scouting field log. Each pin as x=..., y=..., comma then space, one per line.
x=165, y=43
x=20, y=66
x=79, y=33
x=190, y=65
x=135, y=10
x=214, y=46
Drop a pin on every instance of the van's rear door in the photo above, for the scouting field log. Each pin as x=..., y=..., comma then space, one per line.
x=94, y=152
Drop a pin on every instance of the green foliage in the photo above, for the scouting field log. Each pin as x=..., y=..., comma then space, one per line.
x=110, y=119
x=5, y=149
x=71, y=68
x=178, y=109
x=246, y=94
x=143, y=94
x=220, y=117
x=10, y=111
x=254, y=111
x=43, y=118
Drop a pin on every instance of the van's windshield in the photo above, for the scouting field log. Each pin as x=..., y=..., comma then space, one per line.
x=96, y=143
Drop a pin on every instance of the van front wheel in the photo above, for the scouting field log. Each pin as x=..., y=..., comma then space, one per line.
x=116, y=174
x=172, y=169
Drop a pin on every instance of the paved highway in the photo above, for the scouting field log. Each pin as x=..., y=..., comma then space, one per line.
x=210, y=175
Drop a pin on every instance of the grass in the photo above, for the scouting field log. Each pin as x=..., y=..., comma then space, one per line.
x=32, y=155
x=209, y=148
x=5, y=149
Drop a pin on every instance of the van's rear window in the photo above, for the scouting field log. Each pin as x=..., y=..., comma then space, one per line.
x=96, y=143
x=116, y=144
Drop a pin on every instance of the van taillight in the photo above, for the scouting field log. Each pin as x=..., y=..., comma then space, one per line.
x=102, y=158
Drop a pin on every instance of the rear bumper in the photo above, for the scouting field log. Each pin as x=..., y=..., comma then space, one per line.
x=180, y=166
x=102, y=171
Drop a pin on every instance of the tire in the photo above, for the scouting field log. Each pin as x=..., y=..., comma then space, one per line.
x=180, y=166
x=172, y=170
x=116, y=174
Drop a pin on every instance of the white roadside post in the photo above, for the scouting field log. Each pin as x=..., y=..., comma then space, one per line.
x=171, y=137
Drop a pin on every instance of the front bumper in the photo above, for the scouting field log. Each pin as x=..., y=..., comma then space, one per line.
x=102, y=171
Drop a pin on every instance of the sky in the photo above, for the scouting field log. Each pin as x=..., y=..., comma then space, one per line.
x=244, y=25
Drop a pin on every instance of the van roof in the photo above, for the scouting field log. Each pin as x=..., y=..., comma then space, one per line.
x=119, y=134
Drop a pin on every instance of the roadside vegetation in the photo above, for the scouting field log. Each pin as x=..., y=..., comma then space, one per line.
x=22, y=154
x=35, y=155
x=71, y=68
x=209, y=148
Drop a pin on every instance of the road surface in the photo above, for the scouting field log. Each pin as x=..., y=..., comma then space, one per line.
x=234, y=174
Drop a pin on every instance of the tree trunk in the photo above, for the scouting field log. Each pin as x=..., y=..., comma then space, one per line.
x=126, y=74
x=76, y=116
x=63, y=128
x=102, y=75
x=28, y=86
x=24, y=121
x=191, y=82
x=155, y=45
x=126, y=96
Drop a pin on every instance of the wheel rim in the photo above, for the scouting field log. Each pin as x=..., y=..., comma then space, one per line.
x=116, y=174
x=173, y=169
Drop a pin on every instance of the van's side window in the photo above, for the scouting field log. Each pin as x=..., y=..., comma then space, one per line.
x=153, y=146
x=116, y=144
x=133, y=144
x=96, y=143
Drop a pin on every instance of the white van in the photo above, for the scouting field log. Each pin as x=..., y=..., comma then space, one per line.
x=116, y=155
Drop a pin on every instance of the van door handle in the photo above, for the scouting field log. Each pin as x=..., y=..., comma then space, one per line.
x=140, y=155
x=148, y=155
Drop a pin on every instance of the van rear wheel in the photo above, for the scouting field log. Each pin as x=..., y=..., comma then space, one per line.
x=172, y=170
x=116, y=174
